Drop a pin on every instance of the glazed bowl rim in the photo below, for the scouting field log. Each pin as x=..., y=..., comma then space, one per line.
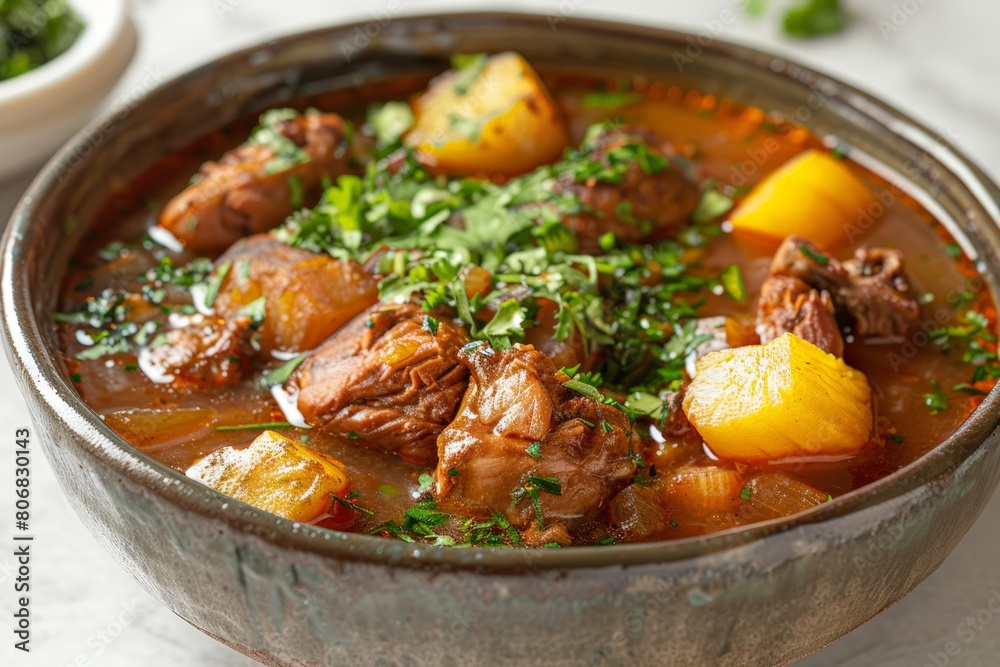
x=49, y=383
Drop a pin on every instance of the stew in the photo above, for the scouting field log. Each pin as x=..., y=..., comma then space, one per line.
x=508, y=307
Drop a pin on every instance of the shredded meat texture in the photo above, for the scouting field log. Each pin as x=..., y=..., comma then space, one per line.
x=307, y=295
x=641, y=206
x=871, y=292
x=238, y=196
x=788, y=305
x=516, y=398
x=387, y=380
x=206, y=353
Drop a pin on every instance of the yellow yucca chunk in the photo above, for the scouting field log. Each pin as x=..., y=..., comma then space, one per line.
x=276, y=474
x=813, y=195
x=786, y=398
x=492, y=116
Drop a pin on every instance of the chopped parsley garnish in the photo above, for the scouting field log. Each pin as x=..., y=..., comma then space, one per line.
x=389, y=122
x=281, y=374
x=610, y=98
x=935, y=400
x=897, y=437
x=745, y=493
x=256, y=427
x=732, y=283
x=350, y=505
x=287, y=154
x=35, y=32
x=812, y=18
x=534, y=450
x=426, y=481
x=530, y=488
x=468, y=68
x=712, y=205
x=817, y=257
x=430, y=325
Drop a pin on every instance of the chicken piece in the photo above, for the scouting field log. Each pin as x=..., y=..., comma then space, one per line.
x=634, y=205
x=307, y=295
x=252, y=188
x=388, y=379
x=788, y=305
x=871, y=292
x=278, y=475
x=202, y=353
x=527, y=446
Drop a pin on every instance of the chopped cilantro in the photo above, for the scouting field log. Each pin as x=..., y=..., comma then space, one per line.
x=745, y=493
x=935, y=400
x=534, y=450
x=732, y=283
x=350, y=505
x=817, y=257
x=430, y=325
x=255, y=427
x=468, y=68
x=426, y=481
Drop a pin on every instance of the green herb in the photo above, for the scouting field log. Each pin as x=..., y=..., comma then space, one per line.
x=608, y=98
x=214, y=283
x=936, y=400
x=712, y=205
x=76, y=377
x=897, y=437
x=33, y=32
x=255, y=311
x=732, y=283
x=745, y=493
x=426, y=481
x=954, y=250
x=131, y=367
x=296, y=191
x=812, y=18
x=829, y=498
x=968, y=389
x=430, y=325
x=256, y=427
x=352, y=435
x=389, y=122
x=468, y=68
x=817, y=257
x=350, y=505
x=287, y=154
x=534, y=450
x=281, y=374
x=530, y=489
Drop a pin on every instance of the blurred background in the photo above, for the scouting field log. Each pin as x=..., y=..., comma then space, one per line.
x=935, y=60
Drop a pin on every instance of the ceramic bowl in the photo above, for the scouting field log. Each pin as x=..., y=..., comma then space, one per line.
x=41, y=109
x=288, y=594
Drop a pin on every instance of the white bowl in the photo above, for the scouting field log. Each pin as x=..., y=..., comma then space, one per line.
x=41, y=109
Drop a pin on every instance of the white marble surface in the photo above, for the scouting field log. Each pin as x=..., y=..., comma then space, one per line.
x=940, y=63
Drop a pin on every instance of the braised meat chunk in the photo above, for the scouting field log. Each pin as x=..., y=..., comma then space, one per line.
x=306, y=295
x=871, y=292
x=878, y=295
x=205, y=353
x=255, y=186
x=390, y=378
x=631, y=191
x=788, y=305
x=525, y=445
